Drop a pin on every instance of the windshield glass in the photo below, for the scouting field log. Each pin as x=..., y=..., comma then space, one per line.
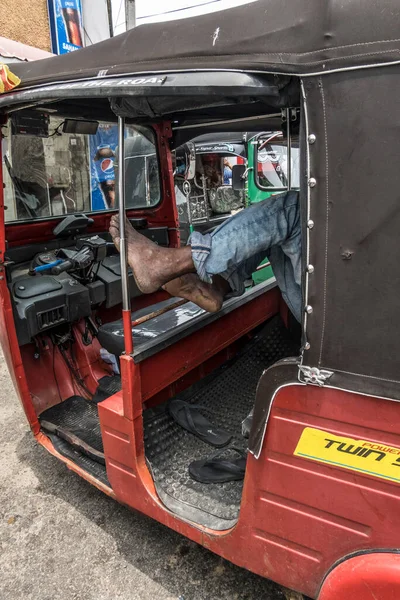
x=49, y=171
x=272, y=162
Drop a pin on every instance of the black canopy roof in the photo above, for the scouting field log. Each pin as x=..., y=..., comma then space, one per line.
x=282, y=36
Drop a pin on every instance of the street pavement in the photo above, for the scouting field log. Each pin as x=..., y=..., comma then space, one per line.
x=62, y=539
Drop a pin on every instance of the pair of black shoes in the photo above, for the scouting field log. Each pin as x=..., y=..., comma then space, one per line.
x=229, y=464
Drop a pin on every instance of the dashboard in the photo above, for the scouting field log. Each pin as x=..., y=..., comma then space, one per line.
x=66, y=279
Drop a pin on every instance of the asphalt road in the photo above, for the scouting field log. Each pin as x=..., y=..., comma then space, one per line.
x=61, y=539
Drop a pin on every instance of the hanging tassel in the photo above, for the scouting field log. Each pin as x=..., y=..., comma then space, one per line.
x=8, y=80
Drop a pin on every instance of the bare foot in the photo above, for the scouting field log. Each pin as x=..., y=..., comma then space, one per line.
x=192, y=288
x=151, y=264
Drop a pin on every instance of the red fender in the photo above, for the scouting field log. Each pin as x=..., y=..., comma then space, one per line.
x=374, y=576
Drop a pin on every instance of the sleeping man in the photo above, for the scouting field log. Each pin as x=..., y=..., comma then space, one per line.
x=215, y=265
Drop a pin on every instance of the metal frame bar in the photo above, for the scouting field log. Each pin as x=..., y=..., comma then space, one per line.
x=126, y=302
x=288, y=151
x=226, y=122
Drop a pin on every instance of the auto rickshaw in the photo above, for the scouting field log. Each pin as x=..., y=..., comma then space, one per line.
x=96, y=364
x=204, y=193
x=203, y=187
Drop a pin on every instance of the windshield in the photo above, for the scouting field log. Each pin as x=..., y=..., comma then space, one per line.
x=49, y=171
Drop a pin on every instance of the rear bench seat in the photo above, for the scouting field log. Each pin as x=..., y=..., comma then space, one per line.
x=166, y=329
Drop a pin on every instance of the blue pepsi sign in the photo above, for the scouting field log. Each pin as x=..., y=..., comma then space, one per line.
x=103, y=147
x=65, y=25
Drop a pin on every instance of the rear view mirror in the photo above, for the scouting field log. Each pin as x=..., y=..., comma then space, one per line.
x=239, y=177
x=185, y=161
x=79, y=126
x=191, y=172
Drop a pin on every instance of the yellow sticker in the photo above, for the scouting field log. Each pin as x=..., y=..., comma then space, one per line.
x=370, y=458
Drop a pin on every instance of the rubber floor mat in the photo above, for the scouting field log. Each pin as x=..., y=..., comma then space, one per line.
x=229, y=394
x=76, y=421
x=92, y=467
x=108, y=386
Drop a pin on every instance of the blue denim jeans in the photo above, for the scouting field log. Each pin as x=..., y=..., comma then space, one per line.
x=269, y=229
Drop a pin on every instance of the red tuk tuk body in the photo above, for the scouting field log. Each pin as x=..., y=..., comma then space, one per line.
x=318, y=511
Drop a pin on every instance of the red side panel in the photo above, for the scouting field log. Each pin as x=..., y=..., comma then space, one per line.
x=307, y=515
x=366, y=577
x=298, y=517
x=9, y=344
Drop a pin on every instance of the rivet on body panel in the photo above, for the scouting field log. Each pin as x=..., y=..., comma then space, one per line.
x=311, y=138
x=310, y=224
x=310, y=269
x=309, y=309
x=312, y=182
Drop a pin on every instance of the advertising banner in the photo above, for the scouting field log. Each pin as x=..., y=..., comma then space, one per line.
x=102, y=148
x=65, y=25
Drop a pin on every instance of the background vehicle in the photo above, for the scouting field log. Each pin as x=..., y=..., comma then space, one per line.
x=204, y=199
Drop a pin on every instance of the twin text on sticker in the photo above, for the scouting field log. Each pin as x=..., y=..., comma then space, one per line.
x=378, y=460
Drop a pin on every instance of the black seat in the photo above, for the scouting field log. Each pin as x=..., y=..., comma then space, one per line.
x=111, y=335
x=171, y=326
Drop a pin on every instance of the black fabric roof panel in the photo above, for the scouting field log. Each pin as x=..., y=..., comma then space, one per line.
x=284, y=36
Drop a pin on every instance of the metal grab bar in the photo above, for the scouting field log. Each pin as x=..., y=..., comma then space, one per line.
x=126, y=303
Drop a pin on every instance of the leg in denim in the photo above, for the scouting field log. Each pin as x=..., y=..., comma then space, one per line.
x=270, y=228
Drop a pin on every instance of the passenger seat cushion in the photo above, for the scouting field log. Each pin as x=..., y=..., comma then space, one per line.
x=111, y=335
